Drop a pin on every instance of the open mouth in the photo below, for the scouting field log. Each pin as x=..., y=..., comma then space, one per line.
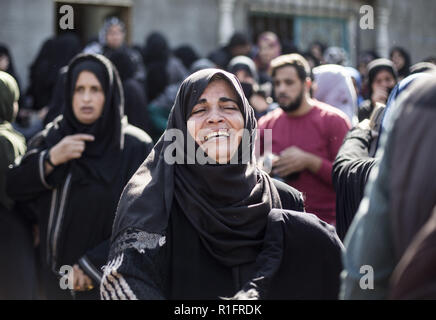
x=216, y=134
x=87, y=109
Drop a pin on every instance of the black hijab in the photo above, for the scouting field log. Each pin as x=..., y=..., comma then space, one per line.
x=122, y=61
x=404, y=71
x=101, y=156
x=228, y=204
x=55, y=53
x=156, y=54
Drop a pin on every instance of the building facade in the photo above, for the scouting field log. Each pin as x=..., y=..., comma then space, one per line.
x=205, y=24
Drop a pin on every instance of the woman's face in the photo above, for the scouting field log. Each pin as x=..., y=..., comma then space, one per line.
x=216, y=122
x=115, y=36
x=4, y=62
x=383, y=80
x=88, y=98
x=398, y=59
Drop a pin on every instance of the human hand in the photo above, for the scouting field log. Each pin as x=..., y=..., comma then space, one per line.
x=70, y=147
x=80, y=280
x=379, y=95
x=291, y=160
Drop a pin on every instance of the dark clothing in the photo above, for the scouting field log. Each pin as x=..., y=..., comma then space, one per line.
x=17, y=265
x=76, y=203
x=413, y=171
x=56, y=106
x=55, y=53
x=136, y=104
x=200, y=276
x=162, y=68
x=415, y=275
x=17, y=268
x=138, y=70
x=305, y=258
x=75, y=216
x=227, y=218
x=12, y=145
x=350, y=173
x=365, y=110
x=401, y=197
x=221, y=57
x=212, y=194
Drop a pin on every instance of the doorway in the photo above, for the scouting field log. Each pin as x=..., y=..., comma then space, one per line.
x=90, y=16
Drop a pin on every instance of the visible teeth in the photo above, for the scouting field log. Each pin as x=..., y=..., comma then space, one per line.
x=216, y=134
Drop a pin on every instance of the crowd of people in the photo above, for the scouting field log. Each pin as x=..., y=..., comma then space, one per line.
x=302, y=170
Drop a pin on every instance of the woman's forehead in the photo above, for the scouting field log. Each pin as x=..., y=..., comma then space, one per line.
x=220, y=86
x=88, y=77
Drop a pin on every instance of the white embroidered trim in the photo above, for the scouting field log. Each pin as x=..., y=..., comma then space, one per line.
x=89, y=268
x=140, y=240
x=113, y=285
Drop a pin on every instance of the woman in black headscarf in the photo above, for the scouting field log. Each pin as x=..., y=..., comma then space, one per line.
x=7, y=65
x=55, y=53
x=74, y=172
x=17, y=267
x=162, y=68
x=209, y=223
x=135, y=99
x=401, y=60
x=6, y=61
x=382, y=78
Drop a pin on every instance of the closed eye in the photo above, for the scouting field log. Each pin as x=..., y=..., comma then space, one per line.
x=230, y=107
x=197, y=111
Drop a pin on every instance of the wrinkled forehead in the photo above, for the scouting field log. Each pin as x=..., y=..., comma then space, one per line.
x=223, y=87
x=195, y=85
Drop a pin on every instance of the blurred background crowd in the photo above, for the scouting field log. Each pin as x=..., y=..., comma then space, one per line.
x=354, y=70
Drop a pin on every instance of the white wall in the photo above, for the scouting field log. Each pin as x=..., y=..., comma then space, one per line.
x=412, y=25
x=189, y=21
x=24, y=25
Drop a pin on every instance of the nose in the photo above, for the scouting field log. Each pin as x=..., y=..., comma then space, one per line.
x=87, y=95
x=215, y=116
x=279, y=88
x=387, y=84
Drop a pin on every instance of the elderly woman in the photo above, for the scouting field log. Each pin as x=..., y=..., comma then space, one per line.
x=74, y=172
x=209, y=223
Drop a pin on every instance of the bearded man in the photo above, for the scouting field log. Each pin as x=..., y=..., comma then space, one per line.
x=306, y=136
